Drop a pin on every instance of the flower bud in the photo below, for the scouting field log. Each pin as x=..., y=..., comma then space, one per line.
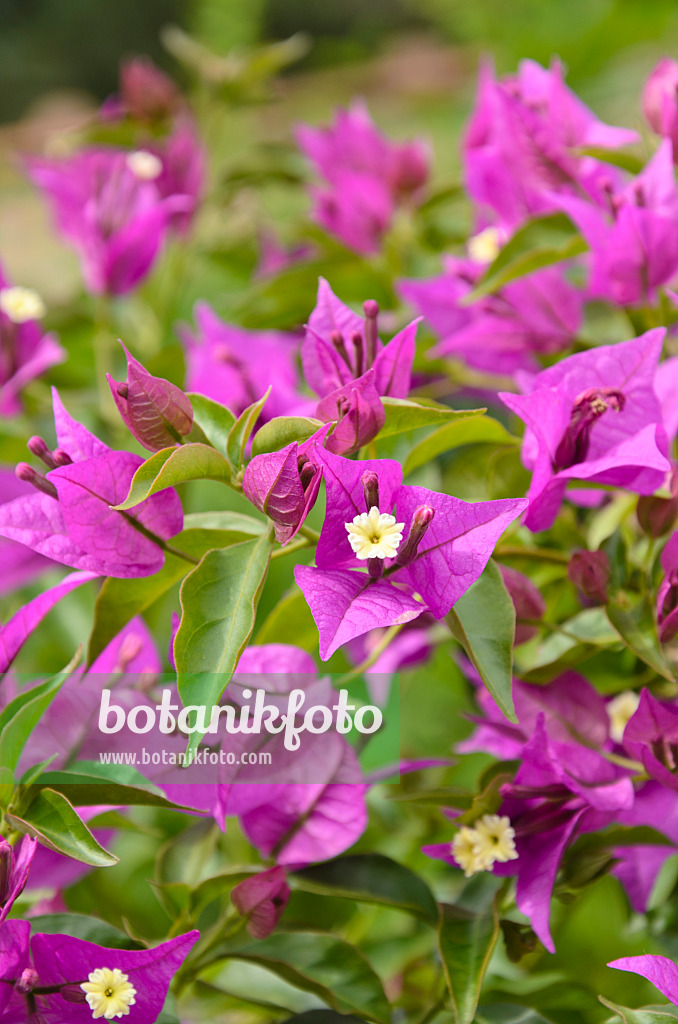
x=358, y=412
x=590, y=572
x=31, y=476
x=27, y=982
x=411, y=168
x=73, y=994
x=657, y=516
x=262, y=899
x=660, y=100
x=370, y=482
x=156, y=412
x=285, y=484
x=147, y=93
x=421, y=519
x=527, y=601
x=38, y=446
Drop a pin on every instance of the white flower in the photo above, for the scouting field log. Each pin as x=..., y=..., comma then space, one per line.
x=144, y=165
x=374, y=534
x=478, y=848
x=109, y=993
x=21, y=304
x=484, y=247
x=620, y=710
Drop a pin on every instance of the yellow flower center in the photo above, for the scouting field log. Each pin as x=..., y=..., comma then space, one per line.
x=374, y=534
x=484, y=247
x=490, y=840
x=109, y=993
x=620, y=710
x=21, y=304
x=144, y=165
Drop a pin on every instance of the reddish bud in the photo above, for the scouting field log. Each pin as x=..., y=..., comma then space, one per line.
x=72, y=994
x=27, y=982
x=527, y=601
x=262, y=899
x=370, y=482
x=421, y=520
x=38, y=446
x=657, y=516
x=30, y=476
x=156, y=412
x=147, y=93
x=590, y=572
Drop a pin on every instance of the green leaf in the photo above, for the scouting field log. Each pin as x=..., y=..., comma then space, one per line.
x=290, y=617
x=54, y=823
x=89, y=783
x=508, y=1013
x=623, y=158
x=323, y=1017
x=21, y=716
x=483, y=621
x=632, y=615
x=645, y=1015
x=281, y=431
x=176, y=465
x=229, y=522
x=371, y=878
x=466, y=943
x=120, y=600
x=403, y=416
x=218, y=600
x=214, y=419
x=315, y=962
x=79, y=926
x=539, y=243
x=239, y=433
x=465, y=430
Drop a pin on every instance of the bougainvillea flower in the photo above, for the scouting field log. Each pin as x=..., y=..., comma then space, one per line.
x=107, y=204
x=14, y=868
x=662, y=972
x=25, y=350
x=523, y=140
x=69, y=516
x=146, y=93
x=16, y=631
x=156, y=412
x=667, y=595
x=262, y=899
x=73, y=981
x=593, y=416
x=448, y=543
x=358, y=411
x=537, y=315
x=633, y=243
x=19, y=563
x=637, y=867
x=660, y=102
x=651, y=736
x=368, y=176
x=527, y=601
x=235, y=366
x=285, y=484
x=340, y=346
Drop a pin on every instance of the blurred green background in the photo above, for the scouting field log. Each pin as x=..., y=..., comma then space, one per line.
x=76, y=44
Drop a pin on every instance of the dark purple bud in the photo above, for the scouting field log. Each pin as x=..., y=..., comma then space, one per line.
x=588, y=407
x=411, y=170
x=30, y=476
x=73, y=994
x=370, y=482
x=6, y=861
x=262, y=899
x=371, y=309
x=668, y=622
x=147, y=93
x=421, y=520
x=527, y=601
x=156, y=412
x=306, y=471
x=38, y=446
x=358, y=353
x=27, y=982
x=658, y=516
x=590, y=572
x=61, y=458
x=337, y=340
x=375, y=567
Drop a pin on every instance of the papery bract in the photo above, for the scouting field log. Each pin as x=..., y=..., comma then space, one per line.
x=262, y=899
x=15, y=865
x=156, y=412
x=593, y=416
x=662, y=972
x=660, y=103
x=76, y=524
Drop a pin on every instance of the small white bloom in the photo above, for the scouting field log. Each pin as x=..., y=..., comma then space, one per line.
x=144, y=165
x=495, y=840
x=21, y=304
x=484, y=247
x=109, y=993
x=464, y=852
x=620, y=709
x=374, y=534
